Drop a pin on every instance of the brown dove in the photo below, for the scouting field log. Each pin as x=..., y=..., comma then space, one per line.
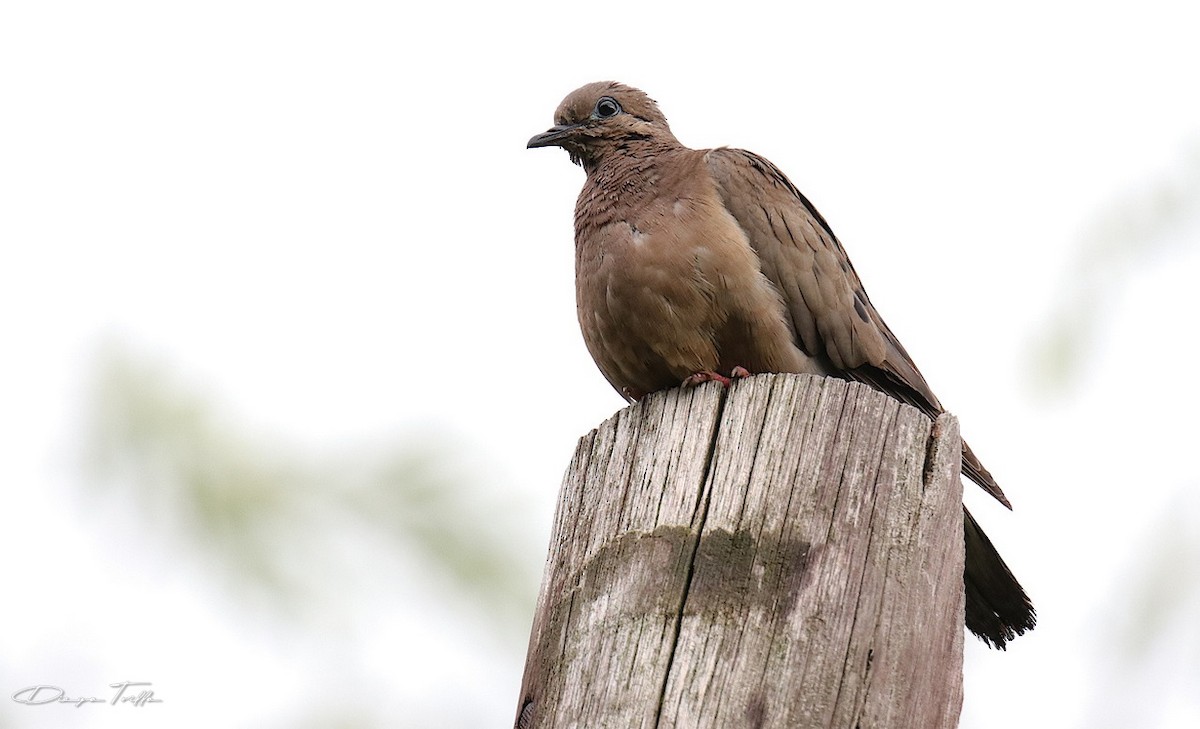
x=708, y=264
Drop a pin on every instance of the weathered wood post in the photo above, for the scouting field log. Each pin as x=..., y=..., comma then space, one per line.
x=787, y=553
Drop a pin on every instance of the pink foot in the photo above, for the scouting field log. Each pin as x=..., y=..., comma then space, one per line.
x=709, y=376
x=705, y=376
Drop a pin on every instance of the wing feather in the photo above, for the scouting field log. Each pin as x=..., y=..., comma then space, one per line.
x=831, y=315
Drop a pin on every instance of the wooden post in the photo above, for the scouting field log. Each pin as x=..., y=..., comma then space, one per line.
x=784, y=553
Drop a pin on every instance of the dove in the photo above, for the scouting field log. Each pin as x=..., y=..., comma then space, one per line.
x=709, y=264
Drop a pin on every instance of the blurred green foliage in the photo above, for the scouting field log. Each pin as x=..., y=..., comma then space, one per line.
x=1145, y=631
x=1127, y=234
x=276, y=519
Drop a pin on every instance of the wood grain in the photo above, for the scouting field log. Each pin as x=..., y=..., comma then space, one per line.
x=785, y=553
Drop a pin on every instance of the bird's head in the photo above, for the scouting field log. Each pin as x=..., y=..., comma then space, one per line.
x=603, y=117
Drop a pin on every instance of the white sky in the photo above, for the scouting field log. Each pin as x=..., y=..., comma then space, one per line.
x=325, y=214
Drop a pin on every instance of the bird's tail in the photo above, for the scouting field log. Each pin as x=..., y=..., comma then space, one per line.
x=998, y=609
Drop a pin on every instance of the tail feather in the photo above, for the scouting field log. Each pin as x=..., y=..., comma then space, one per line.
x=975, y=471
x=998, y=609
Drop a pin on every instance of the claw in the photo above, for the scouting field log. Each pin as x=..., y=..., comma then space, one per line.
x=706, y=376
x=710, y=376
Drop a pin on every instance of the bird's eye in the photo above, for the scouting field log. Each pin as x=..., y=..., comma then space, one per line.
x=607, y=107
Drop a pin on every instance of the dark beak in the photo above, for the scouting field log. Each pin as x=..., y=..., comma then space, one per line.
x=552, y=137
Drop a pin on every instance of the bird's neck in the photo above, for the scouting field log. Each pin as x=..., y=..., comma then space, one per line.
x=630, y=172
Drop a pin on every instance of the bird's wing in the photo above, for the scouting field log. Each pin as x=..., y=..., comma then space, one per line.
x=831, y=315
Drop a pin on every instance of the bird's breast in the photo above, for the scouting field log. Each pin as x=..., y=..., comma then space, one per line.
x=670, y=288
